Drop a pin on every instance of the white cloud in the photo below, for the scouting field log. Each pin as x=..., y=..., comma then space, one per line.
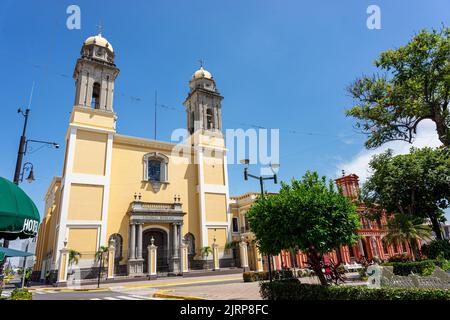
x=359, y=164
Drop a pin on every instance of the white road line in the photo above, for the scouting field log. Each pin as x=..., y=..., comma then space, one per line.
x=130, y=298
x=110, y=298
x=138, y=296
x=95, y=299
x=39, y=292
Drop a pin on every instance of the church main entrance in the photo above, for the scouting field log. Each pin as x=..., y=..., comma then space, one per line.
x=162, y=254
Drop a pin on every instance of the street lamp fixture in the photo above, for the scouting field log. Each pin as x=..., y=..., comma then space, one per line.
x=27, y=167
x=274, y=167
x=50, y=144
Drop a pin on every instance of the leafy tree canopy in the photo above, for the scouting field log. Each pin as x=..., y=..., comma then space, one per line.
x=414, y=84
x=309, y=214
x=416, y=185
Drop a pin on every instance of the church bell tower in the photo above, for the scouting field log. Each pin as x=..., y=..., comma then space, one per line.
x=203, y=104
x=95, y=73
x=89, y=140
x=204, y=123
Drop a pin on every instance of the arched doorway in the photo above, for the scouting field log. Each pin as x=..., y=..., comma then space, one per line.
x=160, y=236
x=190, y=239
x=118, y=241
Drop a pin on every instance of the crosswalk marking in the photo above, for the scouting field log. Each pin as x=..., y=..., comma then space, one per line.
x=95, y=299
x=44, y=292
x=110, y=298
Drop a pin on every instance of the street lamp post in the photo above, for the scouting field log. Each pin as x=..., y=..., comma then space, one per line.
x=261, y=184
x=23, y=144
x=24, y=266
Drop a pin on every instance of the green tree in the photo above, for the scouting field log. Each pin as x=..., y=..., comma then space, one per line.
x=416, y=185
x=437, y=249
x=403, y=228
x=414, y=85
x=74, y=257
x=309, y=214
x=100, y=255
x=205, y=252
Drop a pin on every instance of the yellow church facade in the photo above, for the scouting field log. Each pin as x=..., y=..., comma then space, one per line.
x=133, y=194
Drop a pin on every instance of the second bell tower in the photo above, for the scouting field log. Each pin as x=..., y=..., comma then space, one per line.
x=203, y=104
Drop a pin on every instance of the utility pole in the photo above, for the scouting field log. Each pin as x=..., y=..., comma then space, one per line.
x=22, y=143
x=24, y=266
x=20, y=154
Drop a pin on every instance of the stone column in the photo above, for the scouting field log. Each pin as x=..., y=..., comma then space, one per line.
x=180, y=240
x=63, y=263
x=132, y=242
x=243, y=253
x=111, y=256
x=258, y=258
x=361, y=248
x=174, y=240
x=375, y=249
x=184, y=257
x=215, y=252
x=152, y=262
x=175, y=267
x=139, y=241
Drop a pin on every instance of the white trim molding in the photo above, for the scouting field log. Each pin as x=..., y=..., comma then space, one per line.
x=61, y=235
x=201, y=193
x=107, y=180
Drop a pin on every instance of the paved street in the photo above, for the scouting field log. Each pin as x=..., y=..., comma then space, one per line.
x=146, y=290
x=217, y=287
x=95, y=295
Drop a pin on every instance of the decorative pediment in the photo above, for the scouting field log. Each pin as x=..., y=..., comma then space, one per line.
x=153, y=212
x=155, y=165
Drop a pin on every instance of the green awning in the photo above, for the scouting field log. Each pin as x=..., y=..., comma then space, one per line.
x=7, y=252
x=19, y=216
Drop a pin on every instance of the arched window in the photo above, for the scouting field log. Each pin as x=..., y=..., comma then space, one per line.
x=209, y=119
x=155, y=167
x=192, y=123
x=96, y=96
x=118, y=241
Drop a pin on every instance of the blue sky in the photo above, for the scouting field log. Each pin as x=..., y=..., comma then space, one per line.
x=279, y=64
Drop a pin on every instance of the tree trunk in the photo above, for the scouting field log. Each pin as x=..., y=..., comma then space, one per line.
x=413, y=254
x=316, y=265
x=441, y=127
x=436, y=226
x=414, y=249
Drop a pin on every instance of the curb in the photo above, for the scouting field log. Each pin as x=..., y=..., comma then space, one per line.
x=159, y=294
x=175, y=284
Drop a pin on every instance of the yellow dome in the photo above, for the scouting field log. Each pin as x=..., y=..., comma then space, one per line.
x=99, y=41
x=202, y=73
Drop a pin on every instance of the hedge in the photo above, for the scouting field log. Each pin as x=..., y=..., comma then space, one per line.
x=252, y=276
x=294, y=290
x=422, y=268
x=21, y=294
x=438, y=248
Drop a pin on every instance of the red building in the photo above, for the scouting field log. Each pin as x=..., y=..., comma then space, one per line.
x=369, y=246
